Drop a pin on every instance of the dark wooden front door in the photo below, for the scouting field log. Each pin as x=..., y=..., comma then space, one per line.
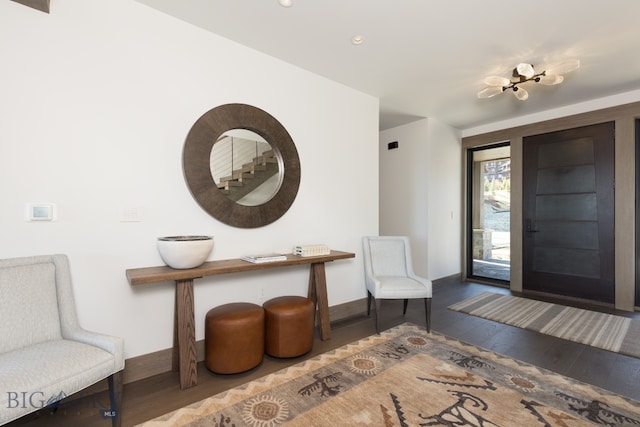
x=568, y=213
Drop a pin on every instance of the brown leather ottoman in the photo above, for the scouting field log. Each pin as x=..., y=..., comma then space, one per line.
x=234, y=337
x=288, y=326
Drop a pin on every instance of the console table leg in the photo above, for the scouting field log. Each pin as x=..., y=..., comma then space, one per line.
x=175, y=354
x=318, y=289
x=311, y=293
x=185, y=325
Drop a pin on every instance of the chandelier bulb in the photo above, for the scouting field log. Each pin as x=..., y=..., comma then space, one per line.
x=520, y=93
x=551, y=79
x=496, y=81
x=490, y=91
x=525, y=70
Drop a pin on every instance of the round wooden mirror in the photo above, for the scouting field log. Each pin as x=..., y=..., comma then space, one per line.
x=217, y=125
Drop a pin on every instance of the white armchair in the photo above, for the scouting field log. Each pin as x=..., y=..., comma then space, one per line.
x=388, y=272
x=44, y=353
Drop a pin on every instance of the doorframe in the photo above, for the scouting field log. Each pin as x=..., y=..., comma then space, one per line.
x=468, y=206
x=637, y=213
x=625, y=226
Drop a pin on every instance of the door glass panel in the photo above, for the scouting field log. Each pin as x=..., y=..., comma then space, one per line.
x=490, y=205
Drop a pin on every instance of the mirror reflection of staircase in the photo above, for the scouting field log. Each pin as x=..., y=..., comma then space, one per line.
x=250, y=176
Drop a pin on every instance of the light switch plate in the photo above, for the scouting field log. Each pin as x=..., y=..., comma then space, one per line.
x=131, y=214
x=41, y=212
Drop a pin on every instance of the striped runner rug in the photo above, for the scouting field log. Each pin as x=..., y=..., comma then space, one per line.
x=606, y=331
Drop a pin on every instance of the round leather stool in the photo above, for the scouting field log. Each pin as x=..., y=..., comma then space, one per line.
x=288, y=326
x=234, y=337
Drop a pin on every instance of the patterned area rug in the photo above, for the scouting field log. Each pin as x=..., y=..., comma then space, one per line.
x=406, y=377
x=607, y=331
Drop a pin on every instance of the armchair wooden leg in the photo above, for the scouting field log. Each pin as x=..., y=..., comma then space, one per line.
x=427, y=311
x=115, y=397
x=369, y=296
x=377, y=315
x=404, y=307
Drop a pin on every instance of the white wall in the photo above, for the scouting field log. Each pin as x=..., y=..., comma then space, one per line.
x=420, y=184
x=403, y=188
x=445, y=201
x=97, y=100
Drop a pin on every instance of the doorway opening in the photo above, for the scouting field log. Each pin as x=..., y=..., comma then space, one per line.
x=489, y=204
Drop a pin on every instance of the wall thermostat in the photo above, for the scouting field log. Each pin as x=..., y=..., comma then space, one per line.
x=41, y=212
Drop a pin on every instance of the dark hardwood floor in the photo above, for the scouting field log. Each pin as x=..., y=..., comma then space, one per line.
x=149, y=398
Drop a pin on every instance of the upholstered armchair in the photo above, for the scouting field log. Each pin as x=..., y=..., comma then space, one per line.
x=388, y=272
x=44, y=353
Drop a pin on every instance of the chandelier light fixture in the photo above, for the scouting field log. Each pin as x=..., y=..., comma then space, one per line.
x=524, y=73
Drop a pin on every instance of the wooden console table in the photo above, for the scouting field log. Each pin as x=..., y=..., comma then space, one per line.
x=184, y=337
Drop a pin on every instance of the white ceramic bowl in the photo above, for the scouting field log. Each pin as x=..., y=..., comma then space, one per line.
x=181, y=252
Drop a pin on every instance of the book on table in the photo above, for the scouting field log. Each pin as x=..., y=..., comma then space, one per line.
x=311, y=250
x=272, y=257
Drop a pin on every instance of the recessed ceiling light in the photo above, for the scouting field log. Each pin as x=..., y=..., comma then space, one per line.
x=286, y=3
x=357, y=40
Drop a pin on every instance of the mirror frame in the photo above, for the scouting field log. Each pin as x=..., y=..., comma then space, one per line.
x=196, y=167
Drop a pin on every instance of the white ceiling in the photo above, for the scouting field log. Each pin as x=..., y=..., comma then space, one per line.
x=427, y=58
